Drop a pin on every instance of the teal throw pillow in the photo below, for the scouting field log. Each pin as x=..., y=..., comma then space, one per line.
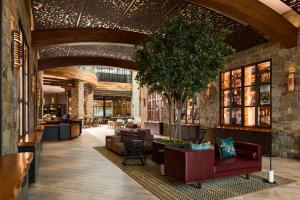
x=226, y=147
x=200, y=147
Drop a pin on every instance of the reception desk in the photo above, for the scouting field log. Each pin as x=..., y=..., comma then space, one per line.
x=62, y=130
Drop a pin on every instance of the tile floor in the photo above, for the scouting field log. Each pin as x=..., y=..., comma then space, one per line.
x=73, y=170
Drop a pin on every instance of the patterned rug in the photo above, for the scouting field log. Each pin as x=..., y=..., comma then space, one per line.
x=165, y=187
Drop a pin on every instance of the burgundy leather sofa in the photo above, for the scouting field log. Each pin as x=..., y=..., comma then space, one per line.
x=196, y=166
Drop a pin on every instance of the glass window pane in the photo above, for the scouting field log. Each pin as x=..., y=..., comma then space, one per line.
x=225, y=116
x=236, y=97
x=264, y=94
x=264, y=117
x=264, y=72
x=225, y=80
x=249, y=76
x=236, y=78
x=225, y=98
x=249, y=96
x=236, y=116
x=249, y=115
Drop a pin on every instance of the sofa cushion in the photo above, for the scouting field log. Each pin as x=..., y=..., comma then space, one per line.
x=234, y=164
x=226, y=147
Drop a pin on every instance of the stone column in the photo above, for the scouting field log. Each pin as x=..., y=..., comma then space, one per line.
x=135, y=99
x=77, y=94
x=89, y=104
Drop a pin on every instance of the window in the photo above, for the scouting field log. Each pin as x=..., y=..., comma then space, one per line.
x=21, y=64
x=26, y=88
x=155, y=107
x=98, y=111
x=245, y=98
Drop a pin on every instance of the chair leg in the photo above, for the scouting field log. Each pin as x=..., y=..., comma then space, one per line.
x=124, y=161
x=199, y=185
x=248, y=176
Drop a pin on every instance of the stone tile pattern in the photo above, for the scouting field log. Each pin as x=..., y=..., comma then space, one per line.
x=71, y=170
x=13, y=13
x=285, y=105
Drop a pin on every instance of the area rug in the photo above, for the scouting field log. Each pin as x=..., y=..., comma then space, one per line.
x=167, y=188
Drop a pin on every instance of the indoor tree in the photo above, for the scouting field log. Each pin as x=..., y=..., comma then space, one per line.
x=182, y=58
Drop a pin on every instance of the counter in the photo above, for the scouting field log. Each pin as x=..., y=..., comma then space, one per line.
x=62, y=130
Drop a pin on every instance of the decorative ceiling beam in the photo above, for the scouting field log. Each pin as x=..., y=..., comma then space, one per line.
x=258, y=15
x=42, y=39
x=50, y=63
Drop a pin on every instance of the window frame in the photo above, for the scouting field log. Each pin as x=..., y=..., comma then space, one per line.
x=257, y=104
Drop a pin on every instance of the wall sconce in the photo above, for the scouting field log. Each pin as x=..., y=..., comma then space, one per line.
x=291, y=79
x=16, y=50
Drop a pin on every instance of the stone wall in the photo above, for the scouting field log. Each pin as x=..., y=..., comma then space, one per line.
x=285, y=105
x=15, y=14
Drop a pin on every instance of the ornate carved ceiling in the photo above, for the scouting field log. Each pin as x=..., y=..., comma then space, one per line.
x=134, y=15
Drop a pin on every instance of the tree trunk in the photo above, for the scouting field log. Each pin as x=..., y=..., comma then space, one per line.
x=178, y=121
x=170, y=120
x=193, y=109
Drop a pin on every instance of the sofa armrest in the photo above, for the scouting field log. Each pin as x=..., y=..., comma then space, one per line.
x=248, y=147
x=189, y=166
x=116, y=139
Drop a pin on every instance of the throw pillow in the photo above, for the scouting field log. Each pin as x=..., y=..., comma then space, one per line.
x=226, y=147
x=200, y=147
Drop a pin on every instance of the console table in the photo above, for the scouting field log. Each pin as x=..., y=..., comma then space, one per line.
x=157, y=128
x=32, y=142
x=13, y=173
x=252, y=135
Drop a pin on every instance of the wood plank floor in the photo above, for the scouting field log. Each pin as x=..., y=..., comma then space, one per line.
x=73, y=170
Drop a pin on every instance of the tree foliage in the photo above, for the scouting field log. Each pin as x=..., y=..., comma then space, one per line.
x=183, y=57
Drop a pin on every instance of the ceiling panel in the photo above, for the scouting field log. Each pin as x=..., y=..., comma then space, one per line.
x=143, y=14
x=122, y=52
x=103, y=13
x=54, y=14
x=294, y=4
